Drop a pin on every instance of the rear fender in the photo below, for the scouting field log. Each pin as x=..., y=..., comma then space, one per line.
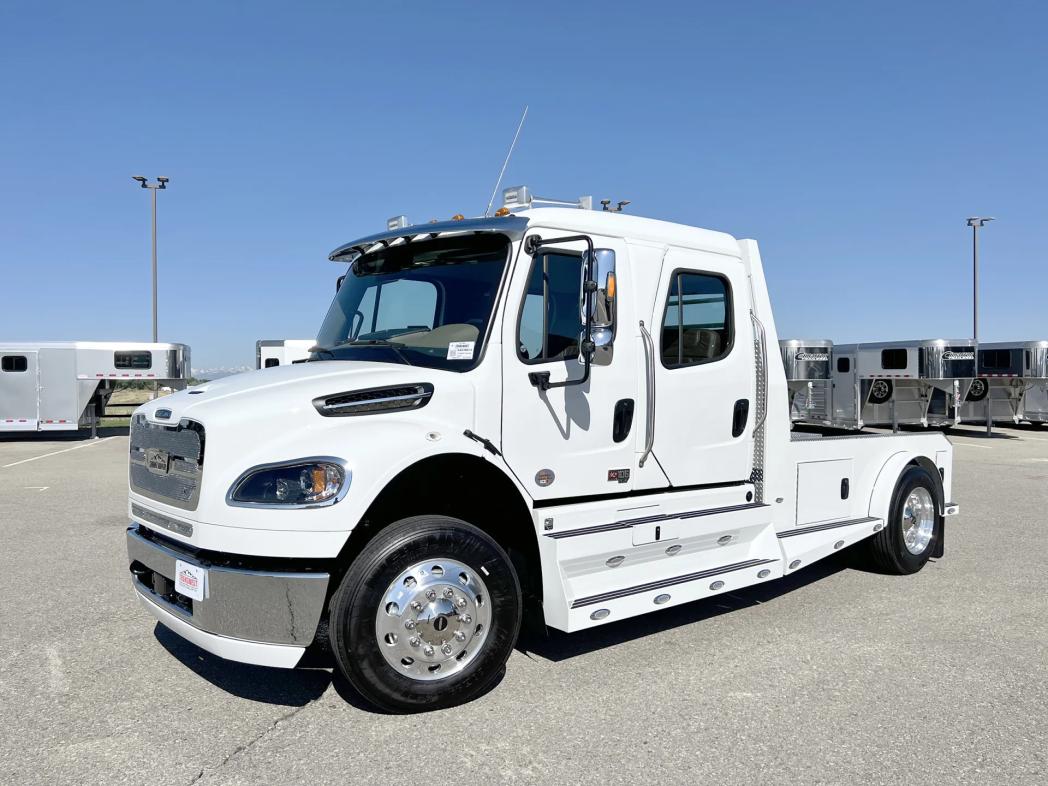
x=888, y=477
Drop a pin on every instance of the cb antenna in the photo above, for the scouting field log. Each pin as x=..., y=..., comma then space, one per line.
x=505, y=163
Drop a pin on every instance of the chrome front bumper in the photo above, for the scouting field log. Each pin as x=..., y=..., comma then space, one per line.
x=266, y=607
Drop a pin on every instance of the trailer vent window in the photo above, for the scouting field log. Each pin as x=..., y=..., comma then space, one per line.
x=996, y=360
x=843, y=365
x=270, y=362
x=367, y=402
x=697, y=326
x=893, y=359
x=14, y=363
x=136, y=360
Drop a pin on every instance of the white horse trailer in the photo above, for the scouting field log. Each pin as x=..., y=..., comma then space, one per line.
x=65, y=386
x=282, y=352
x=901, y=382
x=808, y=379
x=1012, y=382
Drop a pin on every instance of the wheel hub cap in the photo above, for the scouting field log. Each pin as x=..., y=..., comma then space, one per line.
x=918, y=520
x=433, y=619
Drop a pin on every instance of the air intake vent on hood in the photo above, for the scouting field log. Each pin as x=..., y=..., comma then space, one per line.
x=374, y=400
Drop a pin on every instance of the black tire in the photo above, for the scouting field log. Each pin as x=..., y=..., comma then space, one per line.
x=885, y=393
x=978, y=390
x=887, y=549
x=354, y=606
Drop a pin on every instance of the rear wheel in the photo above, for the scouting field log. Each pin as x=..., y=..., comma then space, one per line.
x=978, y=390
x=426, y=616
x=908, y=538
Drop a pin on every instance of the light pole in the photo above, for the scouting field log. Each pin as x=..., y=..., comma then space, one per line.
x=975, y=222
x=161, y=183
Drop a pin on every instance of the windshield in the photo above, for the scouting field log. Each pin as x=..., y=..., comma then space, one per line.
x=423, y=304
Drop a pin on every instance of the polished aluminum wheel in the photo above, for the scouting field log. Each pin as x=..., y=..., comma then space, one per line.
x=433, y=619
x=978, y=389
x=918, y=520
x=879, y=391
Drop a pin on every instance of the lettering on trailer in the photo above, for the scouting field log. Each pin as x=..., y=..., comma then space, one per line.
x=813, y=357
x=951, y=355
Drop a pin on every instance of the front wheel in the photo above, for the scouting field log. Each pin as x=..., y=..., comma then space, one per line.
x=908, y=538
x=426, y=616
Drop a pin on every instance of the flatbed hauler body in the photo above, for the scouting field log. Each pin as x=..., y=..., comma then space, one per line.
x=555, y=409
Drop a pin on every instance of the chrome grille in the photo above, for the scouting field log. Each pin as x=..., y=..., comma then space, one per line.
x=166, y=461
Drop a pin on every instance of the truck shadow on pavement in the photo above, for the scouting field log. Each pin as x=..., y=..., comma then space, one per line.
x=297, y=687
x=83, y=435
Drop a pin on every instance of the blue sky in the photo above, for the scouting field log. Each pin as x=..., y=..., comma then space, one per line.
x=850, y=141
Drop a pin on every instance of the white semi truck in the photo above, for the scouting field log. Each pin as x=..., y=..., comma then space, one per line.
x=571, y=413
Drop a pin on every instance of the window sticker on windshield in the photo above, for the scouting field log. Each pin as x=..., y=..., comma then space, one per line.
x=460, y=350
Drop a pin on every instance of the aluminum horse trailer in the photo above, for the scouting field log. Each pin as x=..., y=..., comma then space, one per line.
x=808, y=378
x=63, y=386
x=282, y=351
x=1012, y=382
x=901, y=382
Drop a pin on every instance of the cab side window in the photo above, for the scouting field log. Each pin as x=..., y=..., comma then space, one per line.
x=697, y=326
x=550, y=317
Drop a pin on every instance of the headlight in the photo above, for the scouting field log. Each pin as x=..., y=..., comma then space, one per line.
x=305, y=482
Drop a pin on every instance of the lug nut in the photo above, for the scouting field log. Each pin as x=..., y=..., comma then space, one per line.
x=446, y=649
x=413, y=641
x=416, y=605
x=460, y=635
x=449, y=592
x=466, y=619
x=461, y=602
x=409, y=624
x=431, y=594
x=427, y=651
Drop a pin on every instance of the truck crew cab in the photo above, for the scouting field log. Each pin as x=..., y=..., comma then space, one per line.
x=574, y=411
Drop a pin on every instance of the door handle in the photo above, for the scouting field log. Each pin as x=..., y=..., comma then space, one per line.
x=622, y=420
x=739, y=417
x=649, y=368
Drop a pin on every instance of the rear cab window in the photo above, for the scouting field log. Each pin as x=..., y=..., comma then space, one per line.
x=697, y=325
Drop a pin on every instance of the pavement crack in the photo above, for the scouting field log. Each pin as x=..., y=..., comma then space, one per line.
x=247, y=746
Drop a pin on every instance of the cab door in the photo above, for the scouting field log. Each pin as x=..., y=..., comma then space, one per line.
x=705, y=380
x=577, y=440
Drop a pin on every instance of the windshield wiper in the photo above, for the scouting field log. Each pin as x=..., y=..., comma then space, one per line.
x=371, y=342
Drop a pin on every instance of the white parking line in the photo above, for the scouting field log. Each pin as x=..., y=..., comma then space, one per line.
x=55, y=453
x=971, y=445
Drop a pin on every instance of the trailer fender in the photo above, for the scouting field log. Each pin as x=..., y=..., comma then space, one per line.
x=884, y=487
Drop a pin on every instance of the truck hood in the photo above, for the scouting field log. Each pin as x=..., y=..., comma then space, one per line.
x=286, y=388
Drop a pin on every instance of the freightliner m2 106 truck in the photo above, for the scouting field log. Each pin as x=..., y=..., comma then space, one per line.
x=550, y=411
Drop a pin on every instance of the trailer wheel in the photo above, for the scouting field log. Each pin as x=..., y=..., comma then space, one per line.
x=426, y=616
x=881, y=391
x=978, y=390
x=908, y=538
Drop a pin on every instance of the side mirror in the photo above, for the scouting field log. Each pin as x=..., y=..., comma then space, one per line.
x=601, y=297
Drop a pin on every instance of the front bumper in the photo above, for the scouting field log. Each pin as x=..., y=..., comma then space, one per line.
x=253, y=616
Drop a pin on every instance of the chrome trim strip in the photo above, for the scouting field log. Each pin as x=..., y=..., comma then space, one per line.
x=627, y=523
x=511, y=226
x=423, y=391
x=347, y=481
x=656, y=585
x=832, y=525
x=183, y=528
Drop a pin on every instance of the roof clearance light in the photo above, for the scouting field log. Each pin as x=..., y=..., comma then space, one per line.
x=518, y=196
x=397, y=222
x=502, y=211
x=458, y=217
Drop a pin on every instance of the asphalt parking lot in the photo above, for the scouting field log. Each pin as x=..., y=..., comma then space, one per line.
x=834, y=675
